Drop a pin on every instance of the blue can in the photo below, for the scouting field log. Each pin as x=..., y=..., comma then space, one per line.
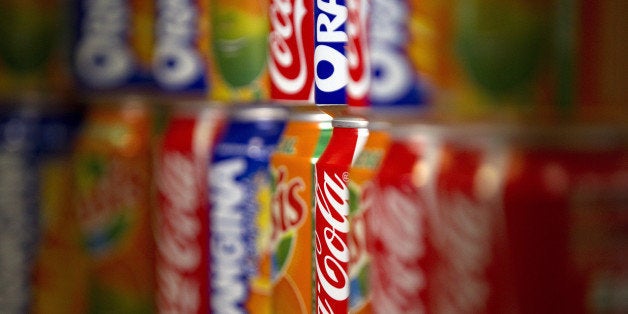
x=330, y=59
x=29, y=133
x=239, y=193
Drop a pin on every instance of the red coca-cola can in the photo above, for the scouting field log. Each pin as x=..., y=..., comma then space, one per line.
x=182, y=222
x=515, y=219
x=332, y=209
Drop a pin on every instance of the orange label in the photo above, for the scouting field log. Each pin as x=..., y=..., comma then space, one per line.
x=292, y=168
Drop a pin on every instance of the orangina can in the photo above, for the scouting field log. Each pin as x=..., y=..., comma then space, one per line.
x=331, y=230
x=292, y=206
x=360, y=201
x=112, y=175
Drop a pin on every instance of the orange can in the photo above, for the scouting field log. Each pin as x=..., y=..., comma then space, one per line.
x=292, y=205
x=112, y=175
x=360, y=199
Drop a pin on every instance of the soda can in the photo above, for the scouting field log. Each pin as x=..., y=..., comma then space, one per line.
x=330, y=58
x=361, y=196
x=60, y=276
x=396, y=67
x=292, y=206
x=31, y=55
x=358, y=60
x=19, y=203
x=291, y=51
x=182, y=218
x=240, y=219
x=181, y=54
x=239, y=44
x=112, y=197
x=520, y=219
x=395, y=226
x=331, y=220
x=112, y=46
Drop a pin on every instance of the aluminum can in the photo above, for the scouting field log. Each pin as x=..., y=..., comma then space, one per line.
x=395, y=222
x=292, y=208
x=397, y=74
x=240, y=230
x=182, y=218
x=361, y=196
x=331, y=220
x=19, y=204
x=239, y=44
x=330, y=58
x=181, y=53
x=358, y=61
x=60, y=276
x=113, y=180
x=516, y=219
x=113, y=43
x=291, y=51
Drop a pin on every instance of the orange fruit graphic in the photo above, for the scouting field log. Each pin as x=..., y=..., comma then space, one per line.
x=286, y=299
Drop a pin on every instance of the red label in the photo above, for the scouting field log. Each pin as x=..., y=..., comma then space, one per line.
x=291, y=49
x=359, y=72
x=332, y=224
x=183, y=222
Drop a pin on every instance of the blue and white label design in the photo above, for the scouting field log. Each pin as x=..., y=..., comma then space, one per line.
x=395, y=80
x=178, y=63
x=330, y=61
x=104, y=57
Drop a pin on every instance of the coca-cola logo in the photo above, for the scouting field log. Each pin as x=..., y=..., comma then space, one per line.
x=332, y=253
x=179, y=228
x=356, y=50
x=400, y=239
x=288, y=207
x=286, y=44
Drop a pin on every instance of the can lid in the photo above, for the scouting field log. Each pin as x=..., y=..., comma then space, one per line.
x=349, y=122
x=257, y=112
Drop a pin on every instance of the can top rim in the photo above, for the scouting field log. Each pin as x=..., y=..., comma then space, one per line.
x=349, y=122
x=258, y=112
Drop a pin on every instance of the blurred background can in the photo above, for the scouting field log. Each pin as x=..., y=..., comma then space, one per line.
x=239, y=45
x=113, y=179
x=182, y=217
x=361, y=198
x=20, y=132
x=396, y=223
x=33, y=57
x=112, y=45
x=240, y=222
x=292, y=206
x=331, y=220
x=181, y=56
x=60, y=278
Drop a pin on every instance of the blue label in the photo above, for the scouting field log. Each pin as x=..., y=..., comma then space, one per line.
x=179, y=64
x=239, y=165
x=395, y=80
x=103, y=54
x=330, y=61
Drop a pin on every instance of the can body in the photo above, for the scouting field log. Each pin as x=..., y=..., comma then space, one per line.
x=181, y=54
x=19, y=206
x=292, y=207
x=509, y=220
x=331, y=217
x=361, y=197
x=291, y=49
x=330, y=60
x=112, y=175
x=239, y=44
x=358, y=60
x=182, y=223
x=240, y=227
x=394, y=36
x=113, y=45
x=60, y=279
